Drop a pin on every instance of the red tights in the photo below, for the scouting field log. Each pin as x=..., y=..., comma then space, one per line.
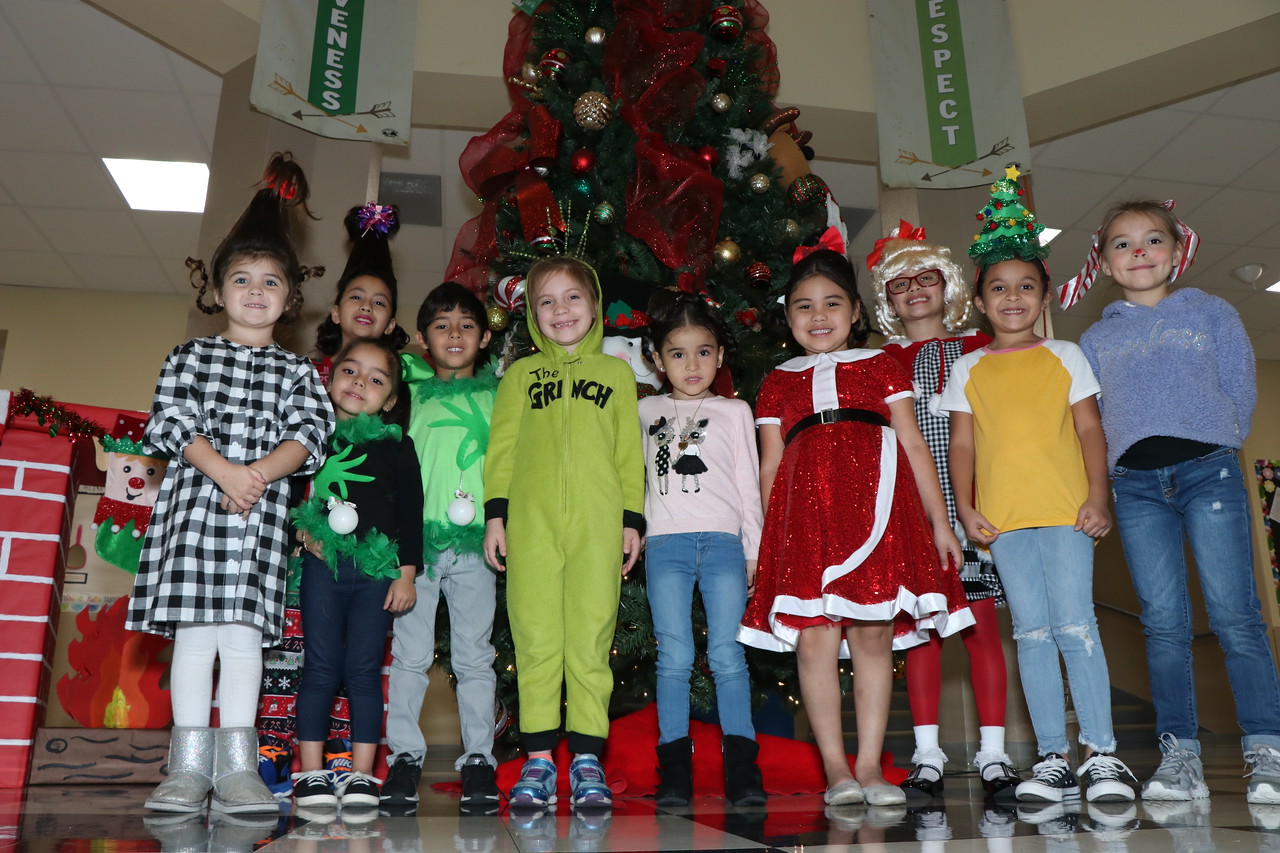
x=986, y=669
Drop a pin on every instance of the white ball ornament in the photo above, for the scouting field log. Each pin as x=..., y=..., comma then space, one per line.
x=462, y=509
x=343, y=517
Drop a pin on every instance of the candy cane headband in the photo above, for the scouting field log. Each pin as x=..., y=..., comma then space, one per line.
x=1073, y=290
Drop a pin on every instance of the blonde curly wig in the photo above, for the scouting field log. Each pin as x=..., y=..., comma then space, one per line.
x=900, y=257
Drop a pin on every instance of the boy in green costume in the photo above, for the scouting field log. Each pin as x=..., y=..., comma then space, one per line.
x=449, y=422
x=564, y=486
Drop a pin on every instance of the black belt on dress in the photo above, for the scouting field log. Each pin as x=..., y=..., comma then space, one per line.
x=832, y=416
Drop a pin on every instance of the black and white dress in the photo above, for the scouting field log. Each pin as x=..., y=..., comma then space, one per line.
x=201, y=563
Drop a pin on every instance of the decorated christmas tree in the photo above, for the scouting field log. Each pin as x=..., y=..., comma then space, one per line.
x=644, y=138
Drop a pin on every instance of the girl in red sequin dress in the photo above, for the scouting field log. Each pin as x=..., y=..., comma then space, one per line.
x=856, y=539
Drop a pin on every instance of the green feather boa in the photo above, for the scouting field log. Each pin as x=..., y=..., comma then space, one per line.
x=377, y=555
x=436, y=388
x=364, y=428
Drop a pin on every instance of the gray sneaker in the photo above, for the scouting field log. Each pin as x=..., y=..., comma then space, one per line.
x=1180, y=776
x=1264, y=775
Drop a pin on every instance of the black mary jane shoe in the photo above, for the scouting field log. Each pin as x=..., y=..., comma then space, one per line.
x=916, y=787
x=1001, y=788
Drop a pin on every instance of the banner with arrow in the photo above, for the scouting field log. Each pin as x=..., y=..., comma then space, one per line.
x=338, y=68
x=948, y=95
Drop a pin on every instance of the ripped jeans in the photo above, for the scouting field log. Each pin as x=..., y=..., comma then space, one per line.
x=1047, y=573
x=1202, y=501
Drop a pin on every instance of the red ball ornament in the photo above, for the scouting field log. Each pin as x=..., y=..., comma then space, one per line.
x=509, y=293
x=553, y=62
x=998, y=205
x=759, y=273
x=726, y=22
x=709, y=155
x=1022, y=192
x=748, y=318
x=716, y=66
x=582, y=161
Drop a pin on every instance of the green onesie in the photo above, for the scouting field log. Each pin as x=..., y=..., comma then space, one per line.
x=565, y=468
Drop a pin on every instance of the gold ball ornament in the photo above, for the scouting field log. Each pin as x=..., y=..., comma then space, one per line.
x=604, y=213
x=497, y=317
x=529, y=74
x=596, y=35
x=759, y=183
x=788, y=230
x=720, y=102
x=727, y=252
x=592, y=110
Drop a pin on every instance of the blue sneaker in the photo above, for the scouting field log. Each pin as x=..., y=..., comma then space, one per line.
x=537, y=784
x=587, y=783
x=275, y=761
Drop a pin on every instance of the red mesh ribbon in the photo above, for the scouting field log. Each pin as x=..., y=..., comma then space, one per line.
x=514, y=56
x=651, y=71
x=473, y=249
x=506, y=155
x=673, y=203
x=755, y=19
x=668, y=14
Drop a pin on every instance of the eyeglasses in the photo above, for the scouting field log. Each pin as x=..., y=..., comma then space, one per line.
x=928, y=278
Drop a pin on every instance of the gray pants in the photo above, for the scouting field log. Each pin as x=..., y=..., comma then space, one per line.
x=467, y=585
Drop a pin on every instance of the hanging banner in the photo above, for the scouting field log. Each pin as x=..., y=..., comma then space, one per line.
x=948, y=97
x=338, y=68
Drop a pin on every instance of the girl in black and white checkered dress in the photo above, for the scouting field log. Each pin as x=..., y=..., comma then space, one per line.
x=239, y=415
x=923, y=301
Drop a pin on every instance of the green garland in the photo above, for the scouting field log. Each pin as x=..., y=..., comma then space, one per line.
x=377, y=556
x=364, y=428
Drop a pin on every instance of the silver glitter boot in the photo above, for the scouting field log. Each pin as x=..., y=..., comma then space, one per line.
x=190, y=771
x=237, y=787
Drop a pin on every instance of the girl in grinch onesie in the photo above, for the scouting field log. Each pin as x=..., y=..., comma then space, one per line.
x=564, y=487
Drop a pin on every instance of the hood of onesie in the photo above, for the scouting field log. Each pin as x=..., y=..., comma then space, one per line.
x=590, y=345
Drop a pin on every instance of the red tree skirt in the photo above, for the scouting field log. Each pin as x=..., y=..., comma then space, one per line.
x=788, y=766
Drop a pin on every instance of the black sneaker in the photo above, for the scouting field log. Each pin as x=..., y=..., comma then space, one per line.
x=357, y=789
x=401, y=787
x=479, y=786
x=314, y=788
x=1051, y=781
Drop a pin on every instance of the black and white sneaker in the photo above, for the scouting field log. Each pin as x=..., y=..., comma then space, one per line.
x=1051, y=782
x=479, y=785
x=314, y=789
x=357, y=789
x=401, y=787
x=1103, y=776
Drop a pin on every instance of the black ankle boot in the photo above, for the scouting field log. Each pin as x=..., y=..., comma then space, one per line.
x=743, y=785
x=675, y=773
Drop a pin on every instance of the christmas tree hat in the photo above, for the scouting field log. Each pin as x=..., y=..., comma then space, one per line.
x=1007, y=230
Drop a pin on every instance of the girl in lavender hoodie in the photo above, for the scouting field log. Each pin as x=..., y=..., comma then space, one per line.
x=1178, y=393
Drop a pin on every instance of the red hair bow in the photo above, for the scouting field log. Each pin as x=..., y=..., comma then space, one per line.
x=905, y=232
x=830, y=239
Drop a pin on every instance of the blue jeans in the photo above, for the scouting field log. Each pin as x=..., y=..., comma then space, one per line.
x=1047, y=573
x=1205, y=501
x=344, y=631
x=714, y=561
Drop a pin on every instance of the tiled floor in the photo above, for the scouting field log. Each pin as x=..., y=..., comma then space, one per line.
x=112, y=819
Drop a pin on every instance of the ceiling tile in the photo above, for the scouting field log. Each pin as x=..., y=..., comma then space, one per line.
x=1267, y=345
x=143, y=125
x=1269, y=238
x=1066, y=198
x=1214, y=149
x=123, y=274
x=19, y=233
x=75, y=180
x=169, y=233
x=1198, y=104
x=15, y=63
x=1119, y=148
x=204, y=111
x=1188, y=197
x=1234, y=295
x=108, y=232
x=35, y=120
x=1260, y=312
x=1257, y=98
x=36, y=269
x=1236, y=216
x=74, y=44
x=1265, y=175
x=193, y=79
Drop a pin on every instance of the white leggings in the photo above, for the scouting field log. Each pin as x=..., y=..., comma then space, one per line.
x=238, y=649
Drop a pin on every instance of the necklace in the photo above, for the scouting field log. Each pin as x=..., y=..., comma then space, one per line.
x=690, y=421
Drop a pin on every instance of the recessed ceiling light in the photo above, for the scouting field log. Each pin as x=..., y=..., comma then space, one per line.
x=160, y=184
x=1048, y=234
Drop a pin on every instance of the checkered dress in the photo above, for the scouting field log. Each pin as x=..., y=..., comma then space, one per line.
x=930, y=369
x=199, y=562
